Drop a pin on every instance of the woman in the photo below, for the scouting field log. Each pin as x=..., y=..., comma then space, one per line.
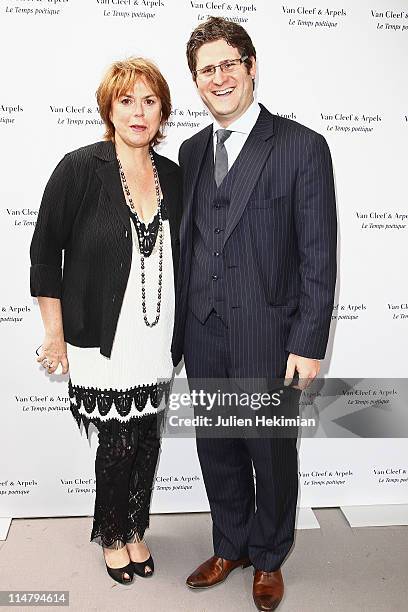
x=113, y=208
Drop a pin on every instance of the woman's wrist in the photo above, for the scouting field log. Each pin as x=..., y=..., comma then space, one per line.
x=54, y=336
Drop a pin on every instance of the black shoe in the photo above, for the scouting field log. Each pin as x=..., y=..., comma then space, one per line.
x=140, y=568
x=118, y=573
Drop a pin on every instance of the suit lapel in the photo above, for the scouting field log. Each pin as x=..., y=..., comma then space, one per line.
x=109, y=175
x=191, y=174
x=250, y=163
x=108, y=172
x=170, y=190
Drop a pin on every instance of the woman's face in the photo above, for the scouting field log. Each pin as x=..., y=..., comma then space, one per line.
x=136, y=115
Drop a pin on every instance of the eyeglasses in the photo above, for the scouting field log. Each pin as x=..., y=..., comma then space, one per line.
x=226, y=67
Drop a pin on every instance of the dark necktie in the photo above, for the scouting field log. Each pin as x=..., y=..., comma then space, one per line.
x=221, y=156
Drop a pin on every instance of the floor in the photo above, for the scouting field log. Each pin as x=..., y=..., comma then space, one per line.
x=333, y=568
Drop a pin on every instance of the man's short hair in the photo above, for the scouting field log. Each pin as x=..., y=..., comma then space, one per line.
x=218, y=28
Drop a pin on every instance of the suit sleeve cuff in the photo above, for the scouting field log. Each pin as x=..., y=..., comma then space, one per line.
x=312, y=346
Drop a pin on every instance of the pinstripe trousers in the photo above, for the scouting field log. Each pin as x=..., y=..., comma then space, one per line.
x=257, y=522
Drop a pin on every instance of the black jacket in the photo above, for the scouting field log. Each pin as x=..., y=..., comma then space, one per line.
x=84, y=215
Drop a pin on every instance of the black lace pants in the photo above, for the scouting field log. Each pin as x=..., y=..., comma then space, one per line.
x=125, y=467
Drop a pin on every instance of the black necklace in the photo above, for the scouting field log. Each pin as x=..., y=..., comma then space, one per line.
x=146, y=233
x=145, y=239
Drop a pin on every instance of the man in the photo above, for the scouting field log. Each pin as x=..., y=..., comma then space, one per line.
x=255, y=293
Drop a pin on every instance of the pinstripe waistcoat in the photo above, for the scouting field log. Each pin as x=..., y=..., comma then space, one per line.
x=211, y=205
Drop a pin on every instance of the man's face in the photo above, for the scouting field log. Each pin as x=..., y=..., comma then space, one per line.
x=227, y=96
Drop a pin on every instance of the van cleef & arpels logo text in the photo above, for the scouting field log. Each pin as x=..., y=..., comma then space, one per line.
x=187, y=118
x=398, y=312
x=130, y=9
x=348, y=312
x=17, y=487
x=390, y=20
x=13, y=314
x=22, y=217
x=313, y=17
x=177, y=482
x=76, y=115
x=79, y=486
x=351, y=123
x=39, y=8
x=384, y=220
x=234, y=11
x=9, y=113
x=42, y=403
x=291, y=115
x=324, y=478
x=391, y=475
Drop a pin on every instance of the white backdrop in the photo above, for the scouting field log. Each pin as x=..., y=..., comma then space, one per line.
x=339, y=68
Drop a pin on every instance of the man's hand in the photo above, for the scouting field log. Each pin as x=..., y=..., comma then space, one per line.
x=307, y=369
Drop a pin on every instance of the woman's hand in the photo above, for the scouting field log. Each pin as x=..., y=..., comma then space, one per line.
x=54, y=348
x=54, y=352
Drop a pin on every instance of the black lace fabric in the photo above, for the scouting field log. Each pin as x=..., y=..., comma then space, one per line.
x=98, y=402
x=126, y=458
x=147, y=233
x=125, y=468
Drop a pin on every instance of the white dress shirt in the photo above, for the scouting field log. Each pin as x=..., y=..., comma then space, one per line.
x=240, y=132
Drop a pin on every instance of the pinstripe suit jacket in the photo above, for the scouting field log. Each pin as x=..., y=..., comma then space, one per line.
x=279, y=249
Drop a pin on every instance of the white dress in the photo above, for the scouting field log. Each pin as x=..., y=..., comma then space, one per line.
x=134, y=381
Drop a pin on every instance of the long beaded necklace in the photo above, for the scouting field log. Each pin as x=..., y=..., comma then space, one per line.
x=160, y=234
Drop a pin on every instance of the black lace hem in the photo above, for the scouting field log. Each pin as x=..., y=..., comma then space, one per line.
x=102, y=399
x=112, y=427
x=119, y=541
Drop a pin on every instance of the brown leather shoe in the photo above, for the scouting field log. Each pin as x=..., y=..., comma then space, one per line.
x=267, y=590
x=214, y=571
